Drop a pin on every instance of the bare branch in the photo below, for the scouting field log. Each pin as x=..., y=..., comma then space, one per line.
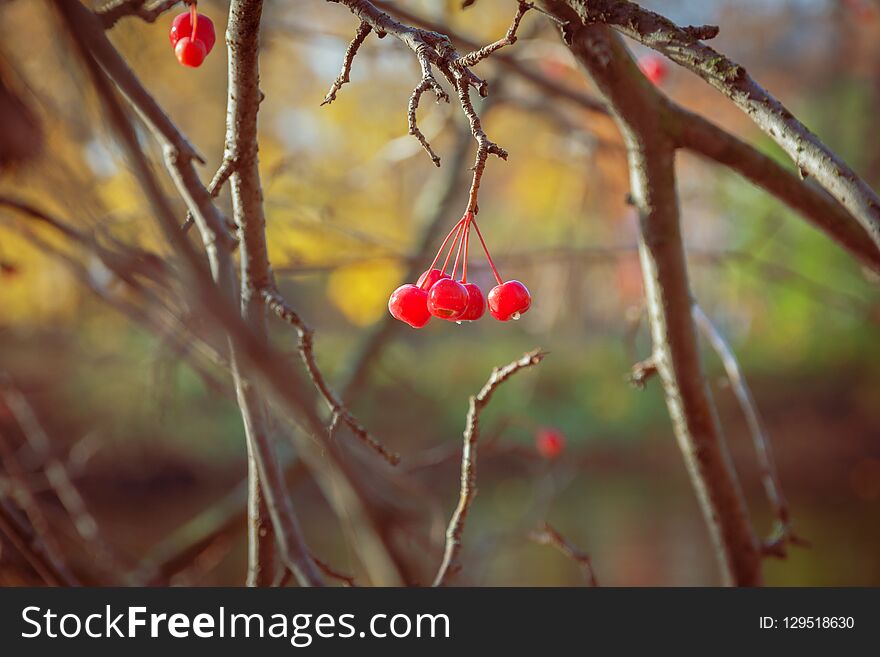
x=363, y=30
x=783, y=534
x=547, y=535
x=476, y=56
x=115, y=10
x=810, y=155
x=59, y=479
x=224, y=171
x=276, y=304
x=641, y=372
x=435, y=49
x=332, y=573
x=42, y=541
x=651, y=156
x=268, y=495
x=33, y=549
x=696, y=134
x=478, y=402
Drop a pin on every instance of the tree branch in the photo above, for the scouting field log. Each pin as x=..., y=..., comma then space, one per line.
x=115, y=10
x=276, y=304
x=363, y=31
x=696, y=134
x=268, y=486
x=810, y=155
x=652, y=179
x=433, y=49
x=478, y=402
x=549, y=536
x=782, y=533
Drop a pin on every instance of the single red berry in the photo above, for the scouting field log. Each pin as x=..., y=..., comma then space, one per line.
x=476, y=303
x=427, y=279
x=654, y=68
x=190, y=52
x=447, y=299
x=409, y=303
x=549, y=442
x=182, y=27
x=509, y=300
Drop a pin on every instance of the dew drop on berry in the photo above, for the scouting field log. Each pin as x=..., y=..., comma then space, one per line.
x=515, y=316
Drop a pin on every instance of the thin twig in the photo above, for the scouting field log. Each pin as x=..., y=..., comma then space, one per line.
x=59, y=479
x=547, y=535
x=279, y=306
x=782, y=534
x=478, y=402
x=224, y=171
x=433, y=49
x=363, y=31
x=113, y=11
x=27, y=541
x=683, y=46
x=24, y=497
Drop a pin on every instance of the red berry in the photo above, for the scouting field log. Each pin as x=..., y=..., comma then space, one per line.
x=549, y=442
x=409, y=303
x=509, y=300
x=182, y=27
x=190, y=52
x=426, y=280
x=447, y=299
x=654, y=68
x=476, y=303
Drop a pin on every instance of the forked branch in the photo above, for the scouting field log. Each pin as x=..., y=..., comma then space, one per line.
x=449, y=566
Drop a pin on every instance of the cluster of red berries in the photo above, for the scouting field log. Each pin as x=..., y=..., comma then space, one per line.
x=438, y=294
x=192, y=37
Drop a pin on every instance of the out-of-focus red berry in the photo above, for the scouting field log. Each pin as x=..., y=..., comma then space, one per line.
x=654, y=68
x=549, y=442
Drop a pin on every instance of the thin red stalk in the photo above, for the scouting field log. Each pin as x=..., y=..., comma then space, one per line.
x=465, y=228
x=486, y=250
x=443, y=246
x=467, y=243
x=194, y=19
x=452, y=248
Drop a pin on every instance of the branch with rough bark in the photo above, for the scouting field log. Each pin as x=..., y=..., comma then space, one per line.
x=114, y=11
x=434, y=50
x=696, y=134
x=276, y=304
x=454, y=532
x=810, y=156
x=651, y=154
x=340, y=484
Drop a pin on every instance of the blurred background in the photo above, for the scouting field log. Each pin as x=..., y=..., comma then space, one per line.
x=151, y=444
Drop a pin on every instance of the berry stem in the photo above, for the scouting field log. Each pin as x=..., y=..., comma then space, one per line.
x=465, y=229
x=486, y=250
x=194, y=19
x=467, y=243
x=443, y=246
x=451, y=249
